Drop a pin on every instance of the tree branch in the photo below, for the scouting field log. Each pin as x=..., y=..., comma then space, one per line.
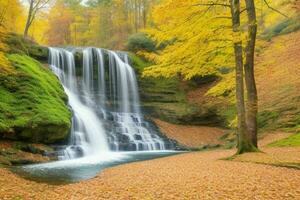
x=212, y=4
x=243, y=10
x=274, y=9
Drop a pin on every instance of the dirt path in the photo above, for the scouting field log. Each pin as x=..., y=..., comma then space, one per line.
x=187, y=176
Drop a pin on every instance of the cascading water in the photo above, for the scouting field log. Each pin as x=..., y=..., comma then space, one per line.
x=103, y=96
x=87, y=134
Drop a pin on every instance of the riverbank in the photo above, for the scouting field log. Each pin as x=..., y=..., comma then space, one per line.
x=198, y=175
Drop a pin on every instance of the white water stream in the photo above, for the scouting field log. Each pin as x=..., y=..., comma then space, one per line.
x=105, y=104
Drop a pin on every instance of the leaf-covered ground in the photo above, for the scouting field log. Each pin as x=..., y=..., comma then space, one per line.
x=191, y=136
x=200, y=175
x=278, y=83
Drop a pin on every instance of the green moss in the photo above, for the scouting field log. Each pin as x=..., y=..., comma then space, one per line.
x=292, y=141
x=163, y=99
x=19, y=45
x=33, y=103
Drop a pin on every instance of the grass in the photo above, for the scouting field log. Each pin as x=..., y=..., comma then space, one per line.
x=292, y=141
x=32, y=103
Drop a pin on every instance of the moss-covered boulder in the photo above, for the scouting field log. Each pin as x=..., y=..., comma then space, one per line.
x=19, y=45
x=32, y=103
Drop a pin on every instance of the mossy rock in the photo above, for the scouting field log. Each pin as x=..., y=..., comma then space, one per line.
x=17, y=157
x=163, y=98
x=33, y=148
x=32, y=103
x=19, y=45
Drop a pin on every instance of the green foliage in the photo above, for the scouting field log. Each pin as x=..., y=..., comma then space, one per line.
x=140, y=41
x=292, y=141
x=138, y=63
x=32, y=103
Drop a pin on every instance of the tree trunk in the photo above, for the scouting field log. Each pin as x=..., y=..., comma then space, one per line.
x=29, y=19
x=244, y=141
x=252, y=107
x=145, y=10
x=136, y=16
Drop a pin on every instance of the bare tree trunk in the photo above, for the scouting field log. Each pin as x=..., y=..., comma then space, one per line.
x=145, y=10
x=252, y=107
x=244, y=141
x=136, y=15
x=29, y=18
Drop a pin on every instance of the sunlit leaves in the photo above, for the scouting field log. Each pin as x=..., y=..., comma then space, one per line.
x=202, y=35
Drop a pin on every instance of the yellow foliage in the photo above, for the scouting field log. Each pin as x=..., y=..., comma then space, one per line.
x=199, y=38
x=38, y=30
x=5, y=67
x=11, y=14
x=225, y=87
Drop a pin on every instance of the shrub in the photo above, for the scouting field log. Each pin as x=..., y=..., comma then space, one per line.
x=140, y=41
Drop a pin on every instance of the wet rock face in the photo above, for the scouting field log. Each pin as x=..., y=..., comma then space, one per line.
x=133, y=133
x=167, y=98
x=47, y=134
x=19, y=153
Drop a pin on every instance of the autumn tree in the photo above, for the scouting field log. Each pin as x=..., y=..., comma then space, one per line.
x=60, y=19
x=202, y=37
x=35, y=6
x=11, y=13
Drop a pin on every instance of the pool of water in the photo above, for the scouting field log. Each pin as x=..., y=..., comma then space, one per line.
x=68, y=171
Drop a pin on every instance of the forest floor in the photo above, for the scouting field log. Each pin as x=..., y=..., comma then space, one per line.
x=191, y=136
x=197, y=175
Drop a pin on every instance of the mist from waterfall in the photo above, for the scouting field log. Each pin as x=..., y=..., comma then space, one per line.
x=103, y=96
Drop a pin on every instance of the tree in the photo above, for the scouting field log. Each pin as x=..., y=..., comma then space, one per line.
x=60, y=19
x=211, y=52
x=252, y=106
x=247, y=128
x=244, y=140
x=35, y=6
x=116, y=20
x=10, y=15
x=199, y=40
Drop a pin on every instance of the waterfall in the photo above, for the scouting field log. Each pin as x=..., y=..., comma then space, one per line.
x=87, y=134
x=103, y=96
